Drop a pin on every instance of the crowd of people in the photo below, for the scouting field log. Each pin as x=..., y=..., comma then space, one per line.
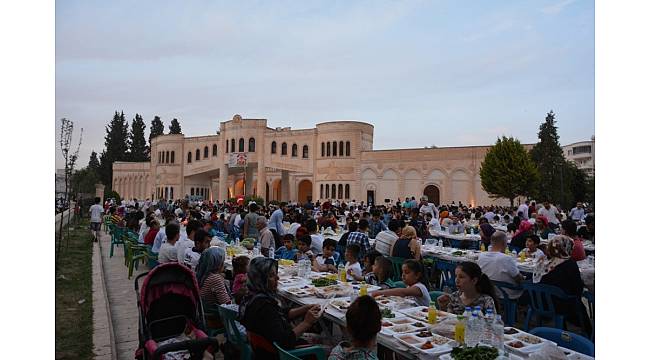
x=398, y=230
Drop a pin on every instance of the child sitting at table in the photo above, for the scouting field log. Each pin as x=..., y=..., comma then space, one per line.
x=325, y=262
x=413, y=277
x=531, y=250
x=239, y=271
x=352, y=266
x=304, y=248
x=369, y=261
x=363, y=320
x=287, y=252
x=382, y=270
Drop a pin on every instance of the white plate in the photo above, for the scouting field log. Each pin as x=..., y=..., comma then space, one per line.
x=510, y=357
x=523, y=351
x=416, y=312
x=573, y=355
x=437, y=349
x=401, y=329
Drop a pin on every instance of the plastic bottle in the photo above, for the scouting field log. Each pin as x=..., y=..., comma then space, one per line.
x=342, y=274
x=482, y=247
x=467, y=313
x=459, y=329
x=363, y=289
x=272, y=252
x=522, y=256
x=433, y=313
x=497, y=328
x=488, y=331
x=472, y=331
x=354, y=294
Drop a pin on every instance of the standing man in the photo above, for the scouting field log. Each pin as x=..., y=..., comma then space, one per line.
x=266, y=236
x=96, y=212
x=577, y=213
x=523, y=210
x=550, y=211
x=276, y=219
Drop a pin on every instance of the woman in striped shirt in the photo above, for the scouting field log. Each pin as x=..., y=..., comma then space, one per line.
x=209, y=273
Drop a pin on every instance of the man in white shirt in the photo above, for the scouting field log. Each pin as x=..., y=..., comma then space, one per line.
x=385, y=240
x=192, y=254
x=266, y=236
x=577, y=213
x=499, y=266
x=96, y=212
x=187, y=241
x=523, y=209
x=316, y=238
x=551, y=213
x=168, y=251
x=428, y=208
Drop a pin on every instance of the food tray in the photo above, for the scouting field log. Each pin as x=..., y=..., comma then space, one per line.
x=301, y=291
x=524, y=350
x=333, y=291
x=341, y=305
x=573, y=355
x=414, y=342
x=400, y=329
x=421, y=313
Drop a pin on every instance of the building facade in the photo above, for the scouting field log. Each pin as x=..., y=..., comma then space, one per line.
x=583, y=154
x=334, y=160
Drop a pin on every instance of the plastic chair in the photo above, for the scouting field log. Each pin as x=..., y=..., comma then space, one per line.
x=316, y=351
x=508, y=305
x=396, y=284
x=566, y=339
x=212, y=312
x=434, y=296
x=116, y=237
x=233, y=336
x=448, y=274
x=592, y=310
x=397, y=267
x=337, y=257
x=541, y=298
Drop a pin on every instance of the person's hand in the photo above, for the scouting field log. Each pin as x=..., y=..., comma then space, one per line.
x=312, y=315
x=444, y=300
x=375, y=293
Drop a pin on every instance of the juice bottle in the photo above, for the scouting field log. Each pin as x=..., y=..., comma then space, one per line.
x=482, y=247
x=363, y=290
x=507, y=250
x=433, y=313
x=459, y=330
x=522, y=256
x=342, y=274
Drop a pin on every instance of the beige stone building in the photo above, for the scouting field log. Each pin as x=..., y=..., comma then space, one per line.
x=334, y=160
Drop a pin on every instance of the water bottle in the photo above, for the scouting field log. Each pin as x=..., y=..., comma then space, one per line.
x=301, y=269
x=478, y=325
x=354, y=294
x=472, y=331
x=488, y=332
x=497, y=328
x=271, y=252
x=468, y=313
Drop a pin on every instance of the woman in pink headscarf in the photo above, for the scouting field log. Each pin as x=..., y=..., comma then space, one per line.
x=542, y=228
x=519, y=239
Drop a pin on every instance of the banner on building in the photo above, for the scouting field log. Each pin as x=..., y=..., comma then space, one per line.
x=237, y=160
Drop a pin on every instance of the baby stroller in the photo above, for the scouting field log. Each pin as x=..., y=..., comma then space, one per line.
x=169, y=307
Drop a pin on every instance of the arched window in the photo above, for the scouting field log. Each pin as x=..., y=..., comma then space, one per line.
x=171, y=192
x=294, y=150
x=166, y=192
x=274, y=147
x=347, y=148
x=226, y=146
x=340, y=190
x=341, y=148
x=241, y=144
x=251, y=144
x=328, y=148
x=333, y=191
x=322, y=150
x=166, y=157
x=284, y=148
x=159, y=157
x=334, y=147
x=327, y=191
x=321, y=191
x=347, y=191
x=192, y=191
x=189, y=157
x=305, y=151
x=214, y=150
x=198, y=155
x=232, y=145
x=205, y=152
x=172, y=157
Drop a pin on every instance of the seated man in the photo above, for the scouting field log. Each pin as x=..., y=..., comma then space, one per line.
x=500, y=267
x=192, y=255
x=385, y=240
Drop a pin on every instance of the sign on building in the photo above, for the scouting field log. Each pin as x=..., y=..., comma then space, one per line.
x=237, y=160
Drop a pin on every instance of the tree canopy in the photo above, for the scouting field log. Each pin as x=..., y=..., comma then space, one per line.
x=507, y=170
x=116, y=147
x=175, y=127
x=549, y=158
x=157, y=128
x=138, y=148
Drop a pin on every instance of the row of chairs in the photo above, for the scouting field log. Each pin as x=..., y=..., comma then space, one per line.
x=134, y=252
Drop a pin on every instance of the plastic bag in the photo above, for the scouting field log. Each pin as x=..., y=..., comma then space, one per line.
x=548, y=351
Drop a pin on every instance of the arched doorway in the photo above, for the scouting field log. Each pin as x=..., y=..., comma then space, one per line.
x=277, y=190
x=433, y=194
x=304, y=191
x=239, y=187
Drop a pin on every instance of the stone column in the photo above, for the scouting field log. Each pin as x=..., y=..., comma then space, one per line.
x=99, y=192
x=261, y=178
x=223, y=182
x=248, y=190
x=284, y=190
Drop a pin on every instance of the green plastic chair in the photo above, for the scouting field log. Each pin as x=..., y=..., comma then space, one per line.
x=117, y=234
x=434, y=296
x=233, y=336
x=316, y=351
x=397, y=267
x=213, y=312
x=396, y=284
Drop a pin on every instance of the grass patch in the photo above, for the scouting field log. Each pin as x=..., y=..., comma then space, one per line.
x=74, y=321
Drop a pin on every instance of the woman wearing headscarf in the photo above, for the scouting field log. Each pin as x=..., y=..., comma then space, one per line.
x=209, y=274
x=542, y=228
x=261, y=314
x=519, y=239
x=486, y=230
x=562, y=271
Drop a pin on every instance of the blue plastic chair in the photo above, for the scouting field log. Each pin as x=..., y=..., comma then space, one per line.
x=566, y=339
x=233, y=336
x=541, y=303
x=508, y=305
x=396, y=284
x=116, y=237
x=337, y=257
x=397, y=267
x=448, y=274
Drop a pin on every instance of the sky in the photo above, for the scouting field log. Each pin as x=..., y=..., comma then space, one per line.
x=443, y=73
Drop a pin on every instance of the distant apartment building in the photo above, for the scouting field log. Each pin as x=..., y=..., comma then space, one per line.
x=583, y=154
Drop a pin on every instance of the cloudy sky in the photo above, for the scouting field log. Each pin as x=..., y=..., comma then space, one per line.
x=449, y=73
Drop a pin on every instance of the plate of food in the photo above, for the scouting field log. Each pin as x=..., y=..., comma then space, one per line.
x=418, y=313
x=323, y=281
x=301, y=291
x=400, y=329
x=510, y=331
x=410, y=340
x=479, y=352
x=333, y=291
x=436, y=345
x=521, y=347
x=387, y=313
x=341, y=305
x=530, y=339
x=573, y=355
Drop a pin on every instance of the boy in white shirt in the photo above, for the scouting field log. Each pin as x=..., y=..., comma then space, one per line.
x=168, y=251
x=531, y=251
x=325, y=262
x=192, y=255
x=352, y=267
x=96, y=212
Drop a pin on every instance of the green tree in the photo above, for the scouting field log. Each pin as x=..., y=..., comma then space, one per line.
x=157, y=128
x=549, y=158
x=93, y=163
x=138, y=148
x=84, y=180
x=175, y=127
x=116, y=147
x=507, y=170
